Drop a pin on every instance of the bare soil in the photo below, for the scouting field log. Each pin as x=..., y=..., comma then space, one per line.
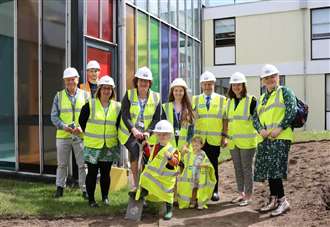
x=307, y=190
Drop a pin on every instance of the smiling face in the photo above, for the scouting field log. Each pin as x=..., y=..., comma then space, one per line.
x=93, y=75
x=237, y=89
x=197, y=144
x=178, y=93
x=143, y=85
x=271, y=81
x=208, y=87
x=106, y=92
x=163, y=137
x=71, y=83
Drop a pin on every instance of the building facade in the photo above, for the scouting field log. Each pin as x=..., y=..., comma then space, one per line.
x=294, y=36
x=39, y=39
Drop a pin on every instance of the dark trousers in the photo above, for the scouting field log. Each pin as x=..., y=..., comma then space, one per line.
x=91, y=179
x=213, y=153
x=276, y=187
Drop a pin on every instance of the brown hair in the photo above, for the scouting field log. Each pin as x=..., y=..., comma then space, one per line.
x=188, y=115
x=135, y=81
x=98, y=93
x=232, y=95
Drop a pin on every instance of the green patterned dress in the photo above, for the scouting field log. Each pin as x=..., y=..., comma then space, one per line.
x=272, y=156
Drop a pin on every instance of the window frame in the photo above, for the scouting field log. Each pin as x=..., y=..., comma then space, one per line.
x=311, y=33
x=214, y=42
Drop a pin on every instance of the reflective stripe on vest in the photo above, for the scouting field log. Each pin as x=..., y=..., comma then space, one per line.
x=183, y=133
x=240, y=124
x=208, y=123
x=100, y=129
x=68, y=112
x=272, y=113
x=149, y=111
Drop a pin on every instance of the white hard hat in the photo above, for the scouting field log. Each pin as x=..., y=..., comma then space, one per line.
x=207, y=76
x=268, y=70
x=106, y=80
x=70, y=72
x=237, y=78
x=93, y=65
x=179, y=82
x=163, y=126
x=144, y=73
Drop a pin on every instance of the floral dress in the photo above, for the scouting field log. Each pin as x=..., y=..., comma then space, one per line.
x=272, y=156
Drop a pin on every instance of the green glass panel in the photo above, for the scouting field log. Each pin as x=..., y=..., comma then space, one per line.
x=154, y=53
x=142, y=41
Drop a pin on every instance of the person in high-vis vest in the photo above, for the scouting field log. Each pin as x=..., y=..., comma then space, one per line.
x=195, y=184
x=209, y=109
x=141, y=110
x=242, y=143
x=159, y=175
x=99, y=120
x=178, y=111
x=65, y=115
x=93, y=72
x=276, y=110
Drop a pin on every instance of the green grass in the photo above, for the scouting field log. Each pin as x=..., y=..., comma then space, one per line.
x=300, y=136
x=26, y=199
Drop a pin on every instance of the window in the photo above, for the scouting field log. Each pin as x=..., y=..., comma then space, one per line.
x=320, y=27
x=327, y=107
x=263, y=88
x=222, y=86
x=224, y=41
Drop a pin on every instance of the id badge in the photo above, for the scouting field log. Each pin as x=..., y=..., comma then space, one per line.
x=140, y=124
x=177, y=132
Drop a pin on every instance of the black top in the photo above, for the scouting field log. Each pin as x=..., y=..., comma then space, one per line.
x=252, y=106
x=93, y=88
x=84, y=115
x=126, y=116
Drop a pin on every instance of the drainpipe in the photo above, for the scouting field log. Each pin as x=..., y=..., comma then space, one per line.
x=304, y=8
x=121, y=28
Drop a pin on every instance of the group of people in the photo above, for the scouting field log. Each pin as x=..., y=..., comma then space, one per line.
x=174, y=145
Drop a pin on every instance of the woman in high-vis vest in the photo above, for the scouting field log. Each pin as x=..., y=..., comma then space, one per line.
x=141, y=109
x=100, y=120
x=242, y=143
x=210, y=108
x=179, y=112
x=159, y=175
x=65, y=114
x=275, y=111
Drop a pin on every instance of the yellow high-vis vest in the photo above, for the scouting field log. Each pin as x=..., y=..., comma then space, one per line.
x=272, y=113
x=149, y=110
x=101, y=129
x=183, y=133
x=157, y=179
x=240, y=124
x=208, y=123
x=68, y=112
x=185, y=184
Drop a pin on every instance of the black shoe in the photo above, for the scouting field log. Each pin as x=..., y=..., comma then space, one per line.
x=215, y=196
x=132, y=194
x=59, y=192
x=106, y=201
x=93, y=204
x=85, y=195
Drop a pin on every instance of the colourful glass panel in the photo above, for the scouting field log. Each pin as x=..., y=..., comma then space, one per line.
x=130, y=46
x=174, y=54
x=165, y=61
x=93, y=18
x=154, y=53
x=142, y=40
x=103, y=57
x=107, y=20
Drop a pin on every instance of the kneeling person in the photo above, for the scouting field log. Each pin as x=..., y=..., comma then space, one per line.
x=158, y=177
x=196, y=182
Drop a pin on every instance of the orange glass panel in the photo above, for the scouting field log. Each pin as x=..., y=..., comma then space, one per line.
x=130, y=46
x=107, y=20
x=93, y=18
x=103, y=57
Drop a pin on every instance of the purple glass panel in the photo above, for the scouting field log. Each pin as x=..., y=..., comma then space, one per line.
x=165, y=61
x=174, y=54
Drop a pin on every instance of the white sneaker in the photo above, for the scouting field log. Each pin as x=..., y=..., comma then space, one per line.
x=282, y=207
x=245, y=202
x=271, y=205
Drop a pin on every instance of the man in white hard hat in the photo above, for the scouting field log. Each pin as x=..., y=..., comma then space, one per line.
x=93, y=73
x=141, y=110
x=65, y=115
x=210, y=108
